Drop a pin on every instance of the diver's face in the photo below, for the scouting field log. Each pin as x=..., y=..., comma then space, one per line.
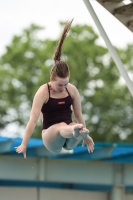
x=59, y=84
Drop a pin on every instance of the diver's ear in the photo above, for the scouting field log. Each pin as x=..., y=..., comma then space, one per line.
x=51, y=81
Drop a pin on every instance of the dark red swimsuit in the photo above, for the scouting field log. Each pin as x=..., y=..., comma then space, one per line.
x=57, y=110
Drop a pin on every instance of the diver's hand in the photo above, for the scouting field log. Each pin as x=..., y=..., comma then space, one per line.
x=21, y=149
x=90, y=144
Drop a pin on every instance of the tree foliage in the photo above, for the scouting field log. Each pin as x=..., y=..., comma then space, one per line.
x=106, y=101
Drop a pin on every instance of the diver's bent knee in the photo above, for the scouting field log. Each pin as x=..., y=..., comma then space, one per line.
x=55, y=150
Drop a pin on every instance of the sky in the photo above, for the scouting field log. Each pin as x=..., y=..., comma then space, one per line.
x=16, y=15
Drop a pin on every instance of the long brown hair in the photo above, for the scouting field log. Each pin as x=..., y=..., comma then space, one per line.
x=60, y=68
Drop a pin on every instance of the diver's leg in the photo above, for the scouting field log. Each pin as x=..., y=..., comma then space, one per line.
x=74, y=141
x=55, y=136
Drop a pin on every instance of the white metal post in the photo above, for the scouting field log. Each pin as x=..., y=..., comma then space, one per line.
x=112, y=50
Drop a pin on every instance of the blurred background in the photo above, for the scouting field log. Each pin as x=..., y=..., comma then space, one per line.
x=30, y=30
x=29, y=33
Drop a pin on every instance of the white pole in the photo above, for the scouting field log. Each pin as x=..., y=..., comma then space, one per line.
x=112, y=50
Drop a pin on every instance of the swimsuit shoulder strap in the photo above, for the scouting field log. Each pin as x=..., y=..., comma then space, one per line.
x=68, y=92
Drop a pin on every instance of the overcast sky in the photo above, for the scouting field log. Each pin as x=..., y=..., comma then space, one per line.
x=15, y=15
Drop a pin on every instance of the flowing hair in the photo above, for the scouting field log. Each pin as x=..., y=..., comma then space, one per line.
x=60, y=68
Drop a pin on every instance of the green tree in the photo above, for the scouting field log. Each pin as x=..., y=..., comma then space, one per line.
x=23, y=70
x=106, y=103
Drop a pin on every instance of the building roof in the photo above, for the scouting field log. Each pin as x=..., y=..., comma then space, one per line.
x=107, y=152
x=120, y=10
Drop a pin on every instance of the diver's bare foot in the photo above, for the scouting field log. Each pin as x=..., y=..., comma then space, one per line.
x=76, y=130
x=84, y=133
